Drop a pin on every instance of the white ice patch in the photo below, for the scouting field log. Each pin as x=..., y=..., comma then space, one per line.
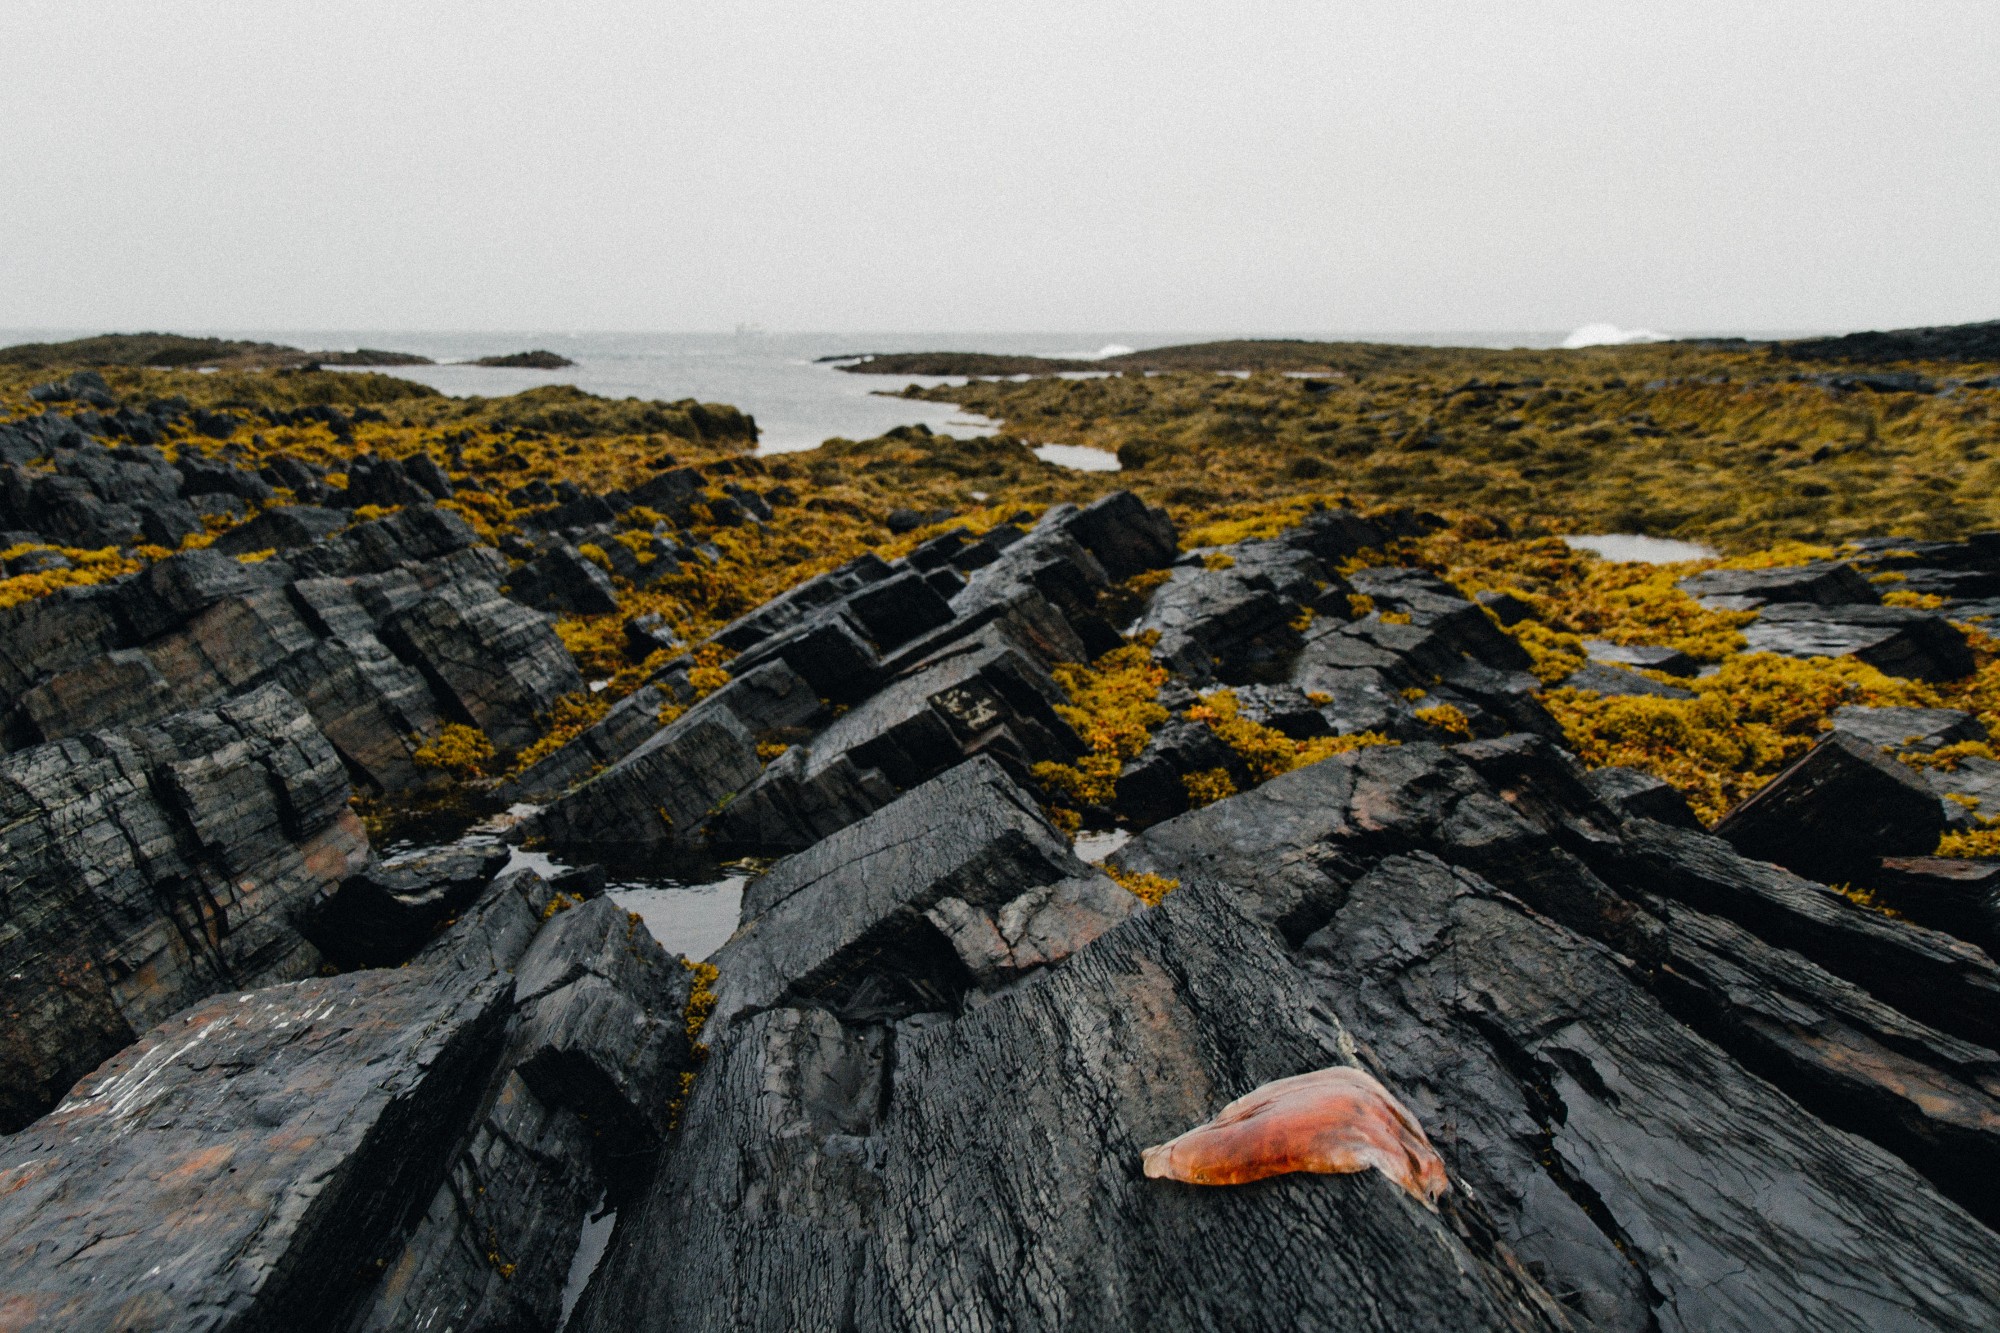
x=1610, y=335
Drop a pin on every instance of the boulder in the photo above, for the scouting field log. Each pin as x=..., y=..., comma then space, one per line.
x=843, y=925
x=1599, y=678
x=1918, y=729
x=382, y=916
x=1945, y=893
x=563, y=582
x=1637, y=795
x=982, y=694
x=589, y=1073
x=281, y=529
x=628, y=724
x=1835, y=812
x=1667, y=661
x=1127, y=535
x=1152, y=785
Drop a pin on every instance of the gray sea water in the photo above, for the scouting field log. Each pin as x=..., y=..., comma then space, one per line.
x=798, y=401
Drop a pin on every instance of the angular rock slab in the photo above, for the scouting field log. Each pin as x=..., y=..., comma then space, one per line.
x=988, y=1177
x=142, y=870
x=1647, y=1176
x=246, y=1163
x=843, y=923
x=1835, y=812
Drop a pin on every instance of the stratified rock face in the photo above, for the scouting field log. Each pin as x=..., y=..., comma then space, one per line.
x=496, y=661
x=199, y=627
x=289, y=1134
x=849, y=923
x=578, y=1102
x=984, y=1172
x=1616, y=1147
x=1608, y=1115
x=143, y=869
x=1836, y=811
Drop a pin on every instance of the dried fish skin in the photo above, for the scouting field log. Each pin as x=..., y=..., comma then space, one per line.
x=1331, y=1121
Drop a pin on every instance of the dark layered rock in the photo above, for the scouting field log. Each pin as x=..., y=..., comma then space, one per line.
x=1896, y=640
x=563, y=581
x=1304, y=835
x=491, y=661
x=591, y=1064
x=1928, y=975
x=1945, y=893
x=289, y=1181
x=383, y=915
x=1822, y=583
x=1127, y=535
x=844, y=925
x=981, y=695
x=1610, y=1142
x=1918, y=729
x=1230, y=614
x=1969, y=789
x=666, y=787
x=1153, y=785
x=1600, y=678
x=1636, y=795
x=147, y=868
x=281, y=529
x=1853, y=1061
x=629, y=724
x=1667, y=661
x=1834, y=812
x=828, y=1176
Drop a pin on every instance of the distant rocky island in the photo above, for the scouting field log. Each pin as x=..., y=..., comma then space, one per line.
x=535, y=360
x=1652, y=910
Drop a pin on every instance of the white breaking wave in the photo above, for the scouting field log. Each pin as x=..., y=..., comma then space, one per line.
x=1109, y=349
x=1610, y=335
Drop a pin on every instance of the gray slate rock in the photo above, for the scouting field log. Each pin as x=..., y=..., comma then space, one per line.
x=1611, y=1143
x=1896, y=640
x=1822, y=582
x=1600, y=678
x=491, y=660
x=142, y=870
x=1919, y=729
x=1836, y=811
x=817, y=1183
x=287, y=1181
x=842, y=924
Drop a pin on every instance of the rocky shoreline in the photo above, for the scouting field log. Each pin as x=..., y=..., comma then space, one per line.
x=260, y=1070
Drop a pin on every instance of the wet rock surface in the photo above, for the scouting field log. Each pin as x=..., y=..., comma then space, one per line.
x=1675, y=1080
x=143, y=869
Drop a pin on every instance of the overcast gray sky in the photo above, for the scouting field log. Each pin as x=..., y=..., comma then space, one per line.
x=1039, y=165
